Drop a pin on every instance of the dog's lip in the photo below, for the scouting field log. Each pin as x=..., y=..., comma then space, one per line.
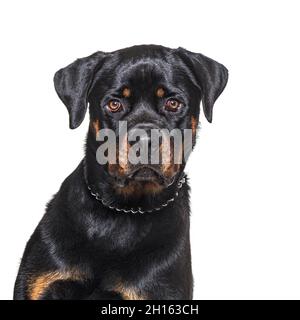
x=146, y=173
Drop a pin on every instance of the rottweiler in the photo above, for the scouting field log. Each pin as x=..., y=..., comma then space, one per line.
x=120, y=231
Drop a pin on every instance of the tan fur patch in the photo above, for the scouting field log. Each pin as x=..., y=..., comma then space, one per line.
x=126, y=92
x=194, y=125
x=165, y=151
x=160, y=92
x=123, y=154
x=128, y=293
x=152, y=187
x=134, y=188
x=96, y=126
x=169, y=167
x=121, y=167
x=170, y=170
x=38, y=285
x=129, y=190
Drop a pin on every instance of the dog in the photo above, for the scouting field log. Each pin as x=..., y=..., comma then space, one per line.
x=120, y=231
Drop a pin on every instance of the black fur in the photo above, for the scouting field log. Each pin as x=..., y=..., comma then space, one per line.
x=147, y=253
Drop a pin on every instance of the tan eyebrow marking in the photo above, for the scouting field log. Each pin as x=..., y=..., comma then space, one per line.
x=126, y=92
x=160, y=92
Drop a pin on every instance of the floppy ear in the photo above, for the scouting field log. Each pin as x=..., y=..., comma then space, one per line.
x=73, y=83
x=211, y=78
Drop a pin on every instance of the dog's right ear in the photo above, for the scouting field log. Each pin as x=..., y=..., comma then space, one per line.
x=73, y=84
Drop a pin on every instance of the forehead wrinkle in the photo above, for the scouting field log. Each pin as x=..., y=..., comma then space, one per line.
x=154, y=71
x=143, y=67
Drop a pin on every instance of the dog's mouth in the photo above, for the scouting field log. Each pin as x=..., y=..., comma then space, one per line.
x=144, y=175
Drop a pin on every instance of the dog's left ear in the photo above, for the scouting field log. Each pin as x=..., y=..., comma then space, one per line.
x=211, y=78
x=73, y=84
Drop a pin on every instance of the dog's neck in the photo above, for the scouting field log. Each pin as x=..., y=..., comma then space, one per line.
x=105, y=195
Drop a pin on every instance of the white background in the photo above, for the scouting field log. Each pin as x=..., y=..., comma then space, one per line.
x=245, y=169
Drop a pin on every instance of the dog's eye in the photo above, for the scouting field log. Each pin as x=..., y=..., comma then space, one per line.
x=172, y=105
x=114, y=106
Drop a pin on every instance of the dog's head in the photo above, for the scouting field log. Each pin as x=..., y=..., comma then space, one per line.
x=147, y=87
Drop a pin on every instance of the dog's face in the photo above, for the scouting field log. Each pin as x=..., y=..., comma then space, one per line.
x=148, y=87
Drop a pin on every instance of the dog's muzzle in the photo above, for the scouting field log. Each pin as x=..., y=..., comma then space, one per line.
x=150, y=163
